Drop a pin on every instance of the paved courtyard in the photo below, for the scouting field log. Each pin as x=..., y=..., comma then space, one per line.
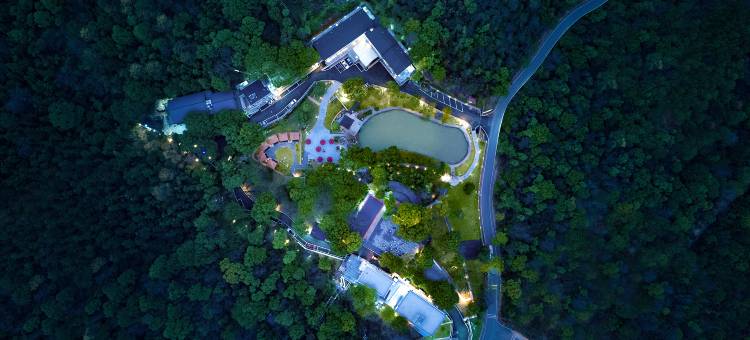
x=320, y=145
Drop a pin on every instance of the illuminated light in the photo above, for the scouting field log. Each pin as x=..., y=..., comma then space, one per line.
x=209, y=157
x=465, y=297
x=195, y=145
x=297, y=174
x=278, y=207
x=169, y=140
x=445, y=178
x=229, y=158
x=234, y=221
x=287, y=241
x=197, y=159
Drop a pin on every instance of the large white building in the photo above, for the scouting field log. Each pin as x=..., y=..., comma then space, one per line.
x=358, y=39
x=393, y=291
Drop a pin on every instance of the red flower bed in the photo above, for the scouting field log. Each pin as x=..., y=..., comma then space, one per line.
x=331, y=141
x=317, y=148
x=330, y=159
x=320, y=159
x=308, y=141
x=322, y=142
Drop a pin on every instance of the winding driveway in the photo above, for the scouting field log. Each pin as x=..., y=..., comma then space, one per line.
x=492, y=328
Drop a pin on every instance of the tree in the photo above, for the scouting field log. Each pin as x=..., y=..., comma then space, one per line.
x=65, y=115
x=355, y=88
x=447, y=112
x=264, y=208
x=363, y=299
x=408, y=215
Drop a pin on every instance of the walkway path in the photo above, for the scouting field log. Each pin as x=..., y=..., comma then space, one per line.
x=455, y=180
x=246, y=202
x=492, y=328
x=320, y=132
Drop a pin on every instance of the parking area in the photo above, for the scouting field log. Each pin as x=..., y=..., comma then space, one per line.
x=447, y=100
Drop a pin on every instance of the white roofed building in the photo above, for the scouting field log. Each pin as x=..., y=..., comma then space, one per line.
x=405, y=299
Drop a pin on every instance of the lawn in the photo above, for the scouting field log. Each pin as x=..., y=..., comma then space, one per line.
x=334, y=106
x=379, y=98
x=461, y=169
x=464, y=208
x=285, y=159
x=444, y=331
x=301, y=118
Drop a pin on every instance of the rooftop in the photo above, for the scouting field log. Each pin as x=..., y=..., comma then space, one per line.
x=397, y=293
x=343, y=31
x=368, y=215
x=255, y=90
x=205, y=102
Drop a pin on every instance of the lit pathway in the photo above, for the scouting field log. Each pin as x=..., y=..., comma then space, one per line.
x=455, y=180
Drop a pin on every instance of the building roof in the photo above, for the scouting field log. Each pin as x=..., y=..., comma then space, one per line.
x=205, y=102
x=404, y=298
x=346, y=122
x=342, y=32
x=389, y=48
x=361, y=271
x=256, y=90
x=223, y=101
x=422, y=314
x=368, y=215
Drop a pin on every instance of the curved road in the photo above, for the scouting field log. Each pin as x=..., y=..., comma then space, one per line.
x=492, y=329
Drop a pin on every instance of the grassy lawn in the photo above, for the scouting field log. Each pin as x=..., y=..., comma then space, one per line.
x=461, y=169
x=444, y=331
x=334, y=106
x=284, y=157
x=464, y=209
x=301, y=118
x=378, y=98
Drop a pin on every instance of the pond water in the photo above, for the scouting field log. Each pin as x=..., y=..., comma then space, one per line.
x=408, y=132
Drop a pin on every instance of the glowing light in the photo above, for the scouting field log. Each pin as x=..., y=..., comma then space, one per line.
x=234, y=221
x=195, y=145
x=209, y=157
x=278, y=207
x=445, y=178
x=464, y=298
x=287, y=241
x=197, y=160
x=169, y=140
x=297, y=174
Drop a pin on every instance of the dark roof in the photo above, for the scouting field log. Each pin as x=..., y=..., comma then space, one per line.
x=256, y=90
x=389, y=49
x=317, y=233
x=346, y=122
x=178, y=108
x=223, y=101
x=367, y=214
x=342, y=33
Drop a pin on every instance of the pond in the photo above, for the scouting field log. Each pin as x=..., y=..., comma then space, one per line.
x=408, y=132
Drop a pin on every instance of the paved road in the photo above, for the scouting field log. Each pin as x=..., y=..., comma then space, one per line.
x=492, y=329
x=376, y=75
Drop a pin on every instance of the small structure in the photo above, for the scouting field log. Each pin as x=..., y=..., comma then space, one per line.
x=248, y=97
x=393, y=291
x=253, y=96
x=270, y=142
x=358, y=39
x=369, y=213
x=350, y=124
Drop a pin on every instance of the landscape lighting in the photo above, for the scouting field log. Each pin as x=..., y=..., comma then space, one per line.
x=445, y=178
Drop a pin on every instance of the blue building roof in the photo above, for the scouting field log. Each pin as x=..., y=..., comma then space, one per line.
x=205, y=102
